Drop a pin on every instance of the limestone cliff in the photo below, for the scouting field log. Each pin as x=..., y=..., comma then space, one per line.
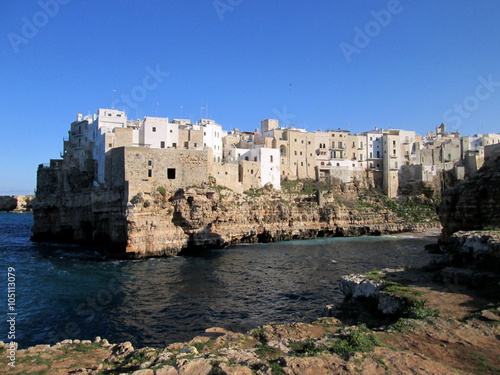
x=16, y=203
x=475, y=203
x=162, y=223
x=201, y=218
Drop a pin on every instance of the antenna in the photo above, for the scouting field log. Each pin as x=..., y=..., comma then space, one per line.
x=206, y=110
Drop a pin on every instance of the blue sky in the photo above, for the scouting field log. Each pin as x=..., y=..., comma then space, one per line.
x=321, y=64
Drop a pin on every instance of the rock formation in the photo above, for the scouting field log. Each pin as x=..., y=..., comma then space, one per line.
x=16, y=203
x=473, y=204
x=162, y=223
x=470, y=240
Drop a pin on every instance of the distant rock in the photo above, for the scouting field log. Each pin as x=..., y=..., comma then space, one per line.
x=16, y=203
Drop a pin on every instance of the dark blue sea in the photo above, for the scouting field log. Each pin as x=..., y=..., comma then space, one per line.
x=73, y=292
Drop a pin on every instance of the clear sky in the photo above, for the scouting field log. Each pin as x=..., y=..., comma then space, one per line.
x=320, y=64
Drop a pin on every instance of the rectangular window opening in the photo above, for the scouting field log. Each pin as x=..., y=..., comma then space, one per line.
x=171, y=173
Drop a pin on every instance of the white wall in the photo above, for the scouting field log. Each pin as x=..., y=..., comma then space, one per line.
x=269, y=159
x=212, y=137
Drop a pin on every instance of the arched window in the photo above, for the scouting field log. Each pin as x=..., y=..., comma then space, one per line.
x=283, y=150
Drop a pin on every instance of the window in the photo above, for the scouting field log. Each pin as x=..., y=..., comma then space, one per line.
x=154, y=129
x=338, y=164
x=150, y=173
x=171, y=131
x=174, y=144
x=255, y=158
x=302, y=141
x=171, y=173
x=308, y=142
x=295, y=140
x=186, y=144
x=271, y=158
x=396, y=164
x=301, y=163
x=371, y=155
x=150, y=163
x=196, y=145
x=360, y=156
x=162, y=144
x=394, y=143
x=378, y=155
x=295, y=152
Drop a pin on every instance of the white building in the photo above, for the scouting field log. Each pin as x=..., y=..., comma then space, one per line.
x=212, y=137
x=269, y=163
x=158, y=132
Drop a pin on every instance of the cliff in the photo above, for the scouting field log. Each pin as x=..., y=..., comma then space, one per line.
x=473, y=204
x=162, y=223
x=16, y=203
x=200, y=218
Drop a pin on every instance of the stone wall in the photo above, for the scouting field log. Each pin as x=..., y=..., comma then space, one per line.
x=146, y=169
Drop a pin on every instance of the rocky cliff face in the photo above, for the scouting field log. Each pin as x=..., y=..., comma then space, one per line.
x=199, y=218
x=162, y=223
x=474, y=204
x=16, y=203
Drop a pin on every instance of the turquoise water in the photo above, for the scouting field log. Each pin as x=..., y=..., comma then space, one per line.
x=73, y=292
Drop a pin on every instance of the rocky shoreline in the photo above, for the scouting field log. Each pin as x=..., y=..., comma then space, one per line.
x=416, y=326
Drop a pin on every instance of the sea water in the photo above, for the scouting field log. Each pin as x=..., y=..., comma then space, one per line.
x=69, y=291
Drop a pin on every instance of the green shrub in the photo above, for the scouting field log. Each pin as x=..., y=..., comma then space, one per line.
x=162, y=190
x=356, y=341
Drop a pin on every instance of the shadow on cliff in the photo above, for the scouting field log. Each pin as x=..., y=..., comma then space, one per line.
x=200, y=241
